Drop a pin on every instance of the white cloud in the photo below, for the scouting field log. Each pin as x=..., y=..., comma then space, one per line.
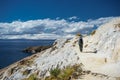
x=48, y=28
x=73, y=18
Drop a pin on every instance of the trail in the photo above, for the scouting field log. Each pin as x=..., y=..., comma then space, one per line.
x=89, y=58
x=92, y=62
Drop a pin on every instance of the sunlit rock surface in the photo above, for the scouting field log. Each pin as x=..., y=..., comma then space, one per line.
x=100, y=56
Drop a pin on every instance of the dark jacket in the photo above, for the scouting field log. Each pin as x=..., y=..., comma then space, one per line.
x=80, y=42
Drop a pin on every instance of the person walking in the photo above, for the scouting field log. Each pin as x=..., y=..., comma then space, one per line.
x=80, y=42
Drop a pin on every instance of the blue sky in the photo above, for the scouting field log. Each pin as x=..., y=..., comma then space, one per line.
x=11, y=10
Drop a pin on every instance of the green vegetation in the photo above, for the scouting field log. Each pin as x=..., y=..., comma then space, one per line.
x=55, y=72
x=70, y=72
x=65, y=74
x=78, y=34
x=26, y=72
x=32, y=77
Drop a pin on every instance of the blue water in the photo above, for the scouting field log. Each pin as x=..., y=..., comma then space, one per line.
x=11, y=50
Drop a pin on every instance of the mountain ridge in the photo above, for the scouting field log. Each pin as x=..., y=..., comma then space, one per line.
x=102, y=65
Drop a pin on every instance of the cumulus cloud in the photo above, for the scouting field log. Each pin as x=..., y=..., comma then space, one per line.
x=48, y=28
x=73, y=18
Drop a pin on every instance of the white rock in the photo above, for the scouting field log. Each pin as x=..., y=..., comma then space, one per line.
x=106, y=60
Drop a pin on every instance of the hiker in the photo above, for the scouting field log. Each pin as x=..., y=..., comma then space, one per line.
x=80, y=43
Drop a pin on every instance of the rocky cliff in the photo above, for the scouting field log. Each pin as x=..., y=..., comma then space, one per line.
x=100, y=59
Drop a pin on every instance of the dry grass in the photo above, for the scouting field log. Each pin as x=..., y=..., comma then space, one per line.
x=67, y=41
x=26, y=72
x=32, y=77
x=53, y=48
x=117, y=78
x=1, y=75
x=27, y=62
x=117, y=25
x=13, y=70
x=93, y=32
x=78, y=34
x=65, y=74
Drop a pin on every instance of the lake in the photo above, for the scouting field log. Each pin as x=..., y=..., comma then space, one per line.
x=11, y=50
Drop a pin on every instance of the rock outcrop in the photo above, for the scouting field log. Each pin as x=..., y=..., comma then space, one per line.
x=100, y=59
x=36, y=49
x=106, y=42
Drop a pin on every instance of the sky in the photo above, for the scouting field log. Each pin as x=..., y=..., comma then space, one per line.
x=52, y=19
x=11, y=10
x=49, y=28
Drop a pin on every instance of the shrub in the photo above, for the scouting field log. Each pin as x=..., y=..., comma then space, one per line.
x=55, y=72
x=78, y=34
x=93, y=32
x=11, y=71
x=32, y=77
x=65, y=74
x=27, y=62
x=26, y=72
x=53, y=48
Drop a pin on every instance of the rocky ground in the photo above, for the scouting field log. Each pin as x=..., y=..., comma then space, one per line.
x=100, y=59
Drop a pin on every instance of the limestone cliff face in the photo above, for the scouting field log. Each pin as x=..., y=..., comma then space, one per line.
x=100, y=59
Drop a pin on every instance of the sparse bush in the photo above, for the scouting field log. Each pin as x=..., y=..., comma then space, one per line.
x=53, y=48
x=67, y=41
x=93, y=32
x=65, y=74
x=12, y=70
x=26, y=72
x=32, y=77
x=73, y=45
x=78, y=34
x=27, y=62
x=55, y=72
x=51, y=78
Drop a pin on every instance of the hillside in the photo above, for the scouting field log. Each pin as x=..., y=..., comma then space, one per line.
x=100, y=59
